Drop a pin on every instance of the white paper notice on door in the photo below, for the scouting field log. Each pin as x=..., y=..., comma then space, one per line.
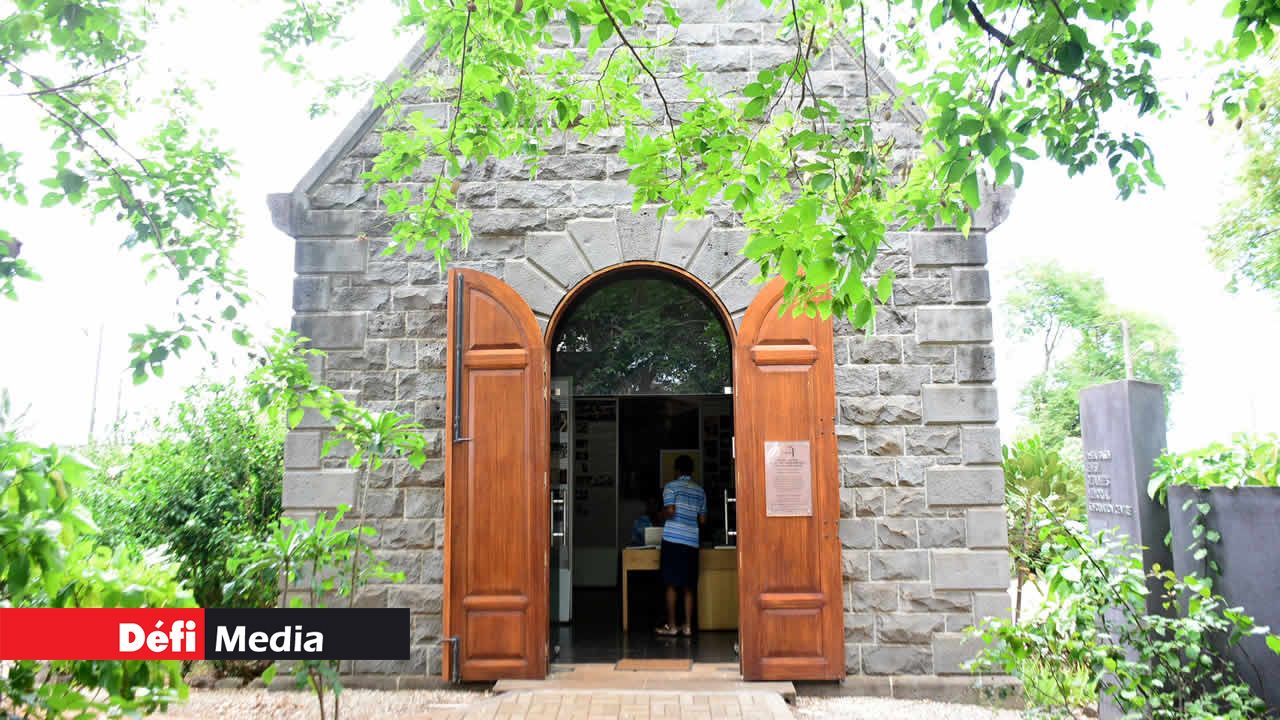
x=788, y=479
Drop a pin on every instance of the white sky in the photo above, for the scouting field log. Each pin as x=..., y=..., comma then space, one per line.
x=1149, y=250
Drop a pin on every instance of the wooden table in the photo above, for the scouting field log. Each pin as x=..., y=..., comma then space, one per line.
x=635, y=558
x=710, y=563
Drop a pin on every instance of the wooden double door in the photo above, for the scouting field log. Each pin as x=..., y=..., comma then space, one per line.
x=497, y=502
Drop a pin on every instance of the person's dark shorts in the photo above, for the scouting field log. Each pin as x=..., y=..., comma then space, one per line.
x=679, y=564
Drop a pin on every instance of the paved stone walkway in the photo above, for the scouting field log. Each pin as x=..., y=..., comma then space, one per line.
x=624, y=705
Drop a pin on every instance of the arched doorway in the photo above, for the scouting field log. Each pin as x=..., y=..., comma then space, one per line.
x=498, y=500
x=641, y=362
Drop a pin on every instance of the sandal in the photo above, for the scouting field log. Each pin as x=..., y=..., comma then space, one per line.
x=686, y=631
x=666, y=630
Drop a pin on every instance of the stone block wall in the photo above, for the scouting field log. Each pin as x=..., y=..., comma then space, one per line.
x=922, y=526
x=921, y=522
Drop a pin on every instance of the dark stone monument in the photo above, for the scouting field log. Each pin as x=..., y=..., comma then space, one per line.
x=1123, y=429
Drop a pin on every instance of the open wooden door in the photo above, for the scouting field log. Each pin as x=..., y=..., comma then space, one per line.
x=496, y=497
x=789, y=595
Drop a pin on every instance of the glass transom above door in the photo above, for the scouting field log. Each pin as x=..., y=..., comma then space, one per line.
x=643, y=334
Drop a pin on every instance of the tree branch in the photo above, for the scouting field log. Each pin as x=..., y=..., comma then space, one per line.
x=666, y=108
x=106, y=132
x=866, y=75
x=47, y=89
x=130, y=203
x=1008, y=42
x=1061, y=14
x=457, y=108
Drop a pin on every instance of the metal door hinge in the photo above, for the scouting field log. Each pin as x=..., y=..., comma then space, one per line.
x=455, y=671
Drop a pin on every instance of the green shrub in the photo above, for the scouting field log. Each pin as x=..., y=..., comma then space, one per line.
x=324, y=562
x=203, y=482
x=1094, y=631
x=1037, y=482
x=50, y=557
x=1248, y=461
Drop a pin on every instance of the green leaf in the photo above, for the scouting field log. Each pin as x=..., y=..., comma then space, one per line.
x=822, y=181
x=761, y=243
x=969, y=190
x=1246, y=43
x=603, y=32
x=937, y=15
x=1069, y=56
x=673, y=17
x=1003, y=168
x=862, y=313
x=1273, y=642
x=575, y=26
x=70, y=182
x=787, y=264
x=505, y=102
x=884, y=288
x=821, y=271
x=50, y=199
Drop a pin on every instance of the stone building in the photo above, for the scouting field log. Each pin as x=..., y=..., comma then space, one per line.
x=906, y=542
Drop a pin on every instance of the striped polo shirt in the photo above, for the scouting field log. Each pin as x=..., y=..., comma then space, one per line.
x=690, y=502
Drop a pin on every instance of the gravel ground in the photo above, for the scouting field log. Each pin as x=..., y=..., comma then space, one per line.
x=362, y=704
x=859, y=708
x=386, y=705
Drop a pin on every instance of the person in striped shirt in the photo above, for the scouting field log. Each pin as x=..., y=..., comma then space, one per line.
x=685, y=508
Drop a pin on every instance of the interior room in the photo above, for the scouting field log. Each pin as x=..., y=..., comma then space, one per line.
x=641, y=375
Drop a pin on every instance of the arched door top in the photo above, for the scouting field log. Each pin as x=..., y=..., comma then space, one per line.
x=676, y=274
x=555, y=263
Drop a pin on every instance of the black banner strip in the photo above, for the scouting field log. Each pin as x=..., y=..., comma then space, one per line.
x=306, y=634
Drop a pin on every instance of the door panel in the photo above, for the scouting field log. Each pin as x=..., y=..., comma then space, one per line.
x=496, y=496
x=789, y=567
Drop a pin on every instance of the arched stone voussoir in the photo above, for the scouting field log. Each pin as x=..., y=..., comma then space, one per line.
x=559, y=255
x=719, y=255
x=598, y=240
x=638, y=232
x=737, y=290
x=534, y=285
x=680, y=240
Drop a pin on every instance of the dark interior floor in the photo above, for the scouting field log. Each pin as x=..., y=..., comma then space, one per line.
x=595, y=635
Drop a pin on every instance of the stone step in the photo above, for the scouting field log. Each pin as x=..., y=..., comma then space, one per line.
x=702, y=678
x=602, y=704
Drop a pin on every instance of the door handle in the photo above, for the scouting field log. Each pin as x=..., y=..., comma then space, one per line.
x=563, y=516
x=727, y=532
